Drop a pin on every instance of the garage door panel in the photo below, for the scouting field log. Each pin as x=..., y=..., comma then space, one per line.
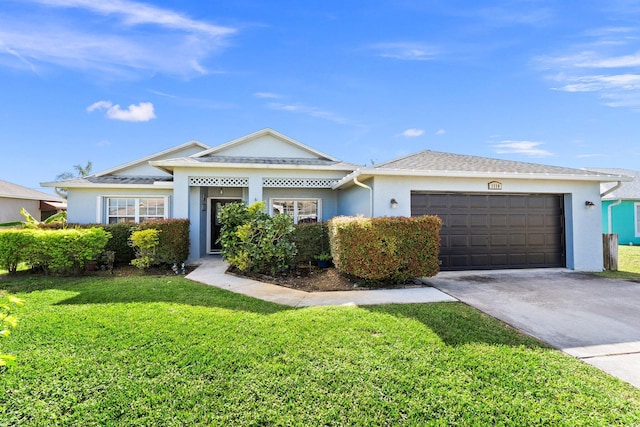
x=480, y=220
x=517, y=239
x=535, y=220
x=459, y=241
x=481, y=240
x=517, y=220
x=482, y=231
x=479, y=261
x=499, y=220
x=458, y=220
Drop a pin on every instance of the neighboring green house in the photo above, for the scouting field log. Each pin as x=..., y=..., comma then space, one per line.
x=621, y=207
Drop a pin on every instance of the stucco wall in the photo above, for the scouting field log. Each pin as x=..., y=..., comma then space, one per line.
x=355, y=200
x=622, y=221
x=10, y=209
x=583, y=225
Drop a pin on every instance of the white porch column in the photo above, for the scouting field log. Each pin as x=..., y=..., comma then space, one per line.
x=255, y=189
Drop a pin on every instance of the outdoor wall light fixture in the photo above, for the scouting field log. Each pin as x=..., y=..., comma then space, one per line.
x=394, y=203
x=589, y=205
x=221, y=191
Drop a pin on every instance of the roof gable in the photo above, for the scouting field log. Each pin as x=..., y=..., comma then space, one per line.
x=141, y=167
x=265, y=143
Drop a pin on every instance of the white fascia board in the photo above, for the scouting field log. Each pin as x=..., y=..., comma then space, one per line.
x=369, y=172
x=204, y=165
x=156, y=185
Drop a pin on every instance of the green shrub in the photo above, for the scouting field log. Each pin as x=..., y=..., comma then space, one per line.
x=311, y=240
x=119, y=241
x=145, y=244
x=12, y=248
x=393, y=249
x=254, y=241
x=65, y=251
x=173, y=246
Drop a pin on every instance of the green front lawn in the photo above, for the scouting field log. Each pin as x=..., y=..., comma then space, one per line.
x=628, y=263
x=167, y=351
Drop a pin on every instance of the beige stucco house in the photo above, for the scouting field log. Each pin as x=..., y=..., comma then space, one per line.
x=13, y=197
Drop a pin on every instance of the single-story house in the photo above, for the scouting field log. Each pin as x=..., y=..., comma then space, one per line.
x=496, y=213
x=621, y=207
x=40, y=205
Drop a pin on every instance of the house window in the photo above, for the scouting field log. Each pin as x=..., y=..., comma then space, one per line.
x=301, y=210
x=637, y=218
x=134, y=210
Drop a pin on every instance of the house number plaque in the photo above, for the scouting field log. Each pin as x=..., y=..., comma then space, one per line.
x=495, y=185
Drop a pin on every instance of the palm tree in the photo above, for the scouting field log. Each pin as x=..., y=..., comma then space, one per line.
x=81, y=172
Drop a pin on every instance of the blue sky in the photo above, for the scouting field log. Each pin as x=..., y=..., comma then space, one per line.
x=109, y=82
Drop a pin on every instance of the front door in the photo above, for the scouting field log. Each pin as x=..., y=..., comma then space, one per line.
x=215, y=225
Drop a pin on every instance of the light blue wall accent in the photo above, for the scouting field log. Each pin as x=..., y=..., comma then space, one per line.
x=355, y=200
x=623, y=221
x=569, y=231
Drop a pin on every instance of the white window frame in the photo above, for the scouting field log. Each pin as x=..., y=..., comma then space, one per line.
x=295, y=201
x=636, y=218
x=136, y=198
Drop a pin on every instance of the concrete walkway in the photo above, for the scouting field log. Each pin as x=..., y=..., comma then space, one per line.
x=594, y=319
x=212, y=272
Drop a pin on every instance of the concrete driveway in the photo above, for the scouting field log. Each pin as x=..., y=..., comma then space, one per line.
x=594, y=319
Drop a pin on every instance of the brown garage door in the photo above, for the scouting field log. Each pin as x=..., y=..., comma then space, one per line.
x=490, y=231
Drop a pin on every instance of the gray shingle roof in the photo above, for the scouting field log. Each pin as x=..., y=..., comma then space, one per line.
x=628, y=190
x=15, y=191
x=438, y=161
x=268, y=160
x=119, y=179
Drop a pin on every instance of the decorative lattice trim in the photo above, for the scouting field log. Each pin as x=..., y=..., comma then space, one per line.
x=298, y=182
x=210, y=181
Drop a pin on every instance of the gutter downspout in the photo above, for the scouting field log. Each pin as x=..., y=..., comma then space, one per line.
x=609, y=219
x=612, y=189
x=356, y=182
x=610, y=207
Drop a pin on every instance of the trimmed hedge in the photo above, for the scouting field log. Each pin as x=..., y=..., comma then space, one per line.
x=59, y=251
x=173, y=246
x=312, y=240
x=395, y=249
x=13, y=243
x=119, y=241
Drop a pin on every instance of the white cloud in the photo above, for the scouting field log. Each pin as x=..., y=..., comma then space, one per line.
x=440, y=132
x=269, y=95
x=527, y=148
x=308, y=110
x=143, y=112
x=409, y=51
x=412, y=133
x=605, y=64
x=118, y=36
x=99, y=105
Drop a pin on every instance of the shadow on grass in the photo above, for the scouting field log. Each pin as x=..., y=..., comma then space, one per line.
x=458, y=324
x=137, y=289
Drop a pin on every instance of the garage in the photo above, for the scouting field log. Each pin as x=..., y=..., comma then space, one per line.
x=496, y=231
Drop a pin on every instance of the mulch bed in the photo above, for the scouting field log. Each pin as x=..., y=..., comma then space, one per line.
x=310, y=278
